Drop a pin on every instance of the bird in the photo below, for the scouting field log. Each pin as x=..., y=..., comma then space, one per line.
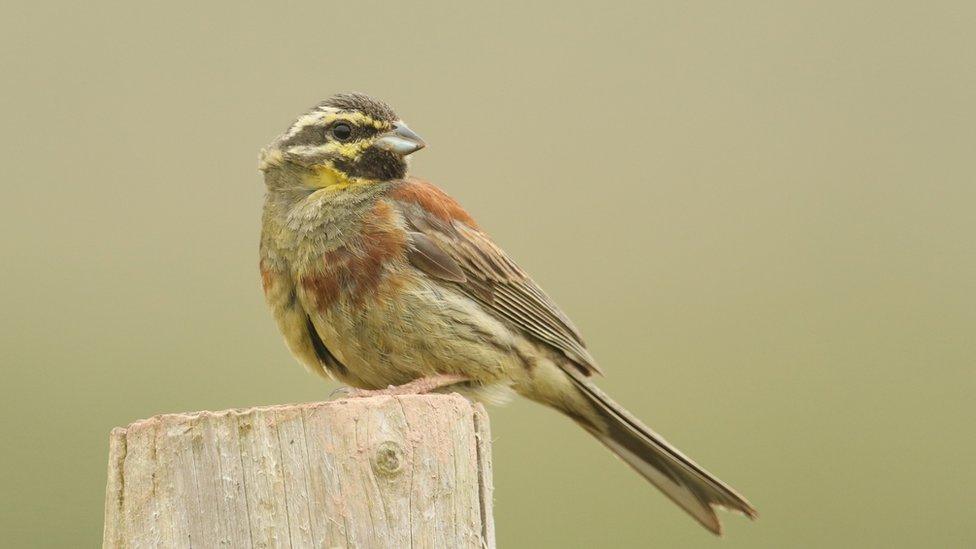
x=381, y=281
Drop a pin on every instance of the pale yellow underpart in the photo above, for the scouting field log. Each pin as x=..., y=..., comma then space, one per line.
x=293, y=323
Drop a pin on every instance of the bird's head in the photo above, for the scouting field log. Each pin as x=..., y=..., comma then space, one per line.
x=347, y=139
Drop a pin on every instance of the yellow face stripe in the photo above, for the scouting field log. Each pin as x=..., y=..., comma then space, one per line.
x=353, y=149
x=325, y=176
x=348, y=150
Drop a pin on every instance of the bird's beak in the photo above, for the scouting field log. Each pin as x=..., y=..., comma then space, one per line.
x=400, y=140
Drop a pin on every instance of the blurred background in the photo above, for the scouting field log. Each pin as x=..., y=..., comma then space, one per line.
x=761, y=216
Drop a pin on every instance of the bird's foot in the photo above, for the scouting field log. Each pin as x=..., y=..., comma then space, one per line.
x=420, y=386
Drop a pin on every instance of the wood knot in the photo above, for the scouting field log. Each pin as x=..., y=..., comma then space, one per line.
x=388, y=459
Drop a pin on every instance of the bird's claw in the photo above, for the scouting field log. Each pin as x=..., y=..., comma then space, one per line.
x=420, y=386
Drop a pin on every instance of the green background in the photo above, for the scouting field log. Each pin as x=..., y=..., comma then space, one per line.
x=761, y=215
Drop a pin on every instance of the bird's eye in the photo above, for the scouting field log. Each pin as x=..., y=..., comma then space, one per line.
x=341, y=131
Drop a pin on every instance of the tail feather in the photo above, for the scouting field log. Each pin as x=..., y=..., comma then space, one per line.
x=685, y=482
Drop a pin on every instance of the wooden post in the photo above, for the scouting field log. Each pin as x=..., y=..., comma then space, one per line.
x=404, y=471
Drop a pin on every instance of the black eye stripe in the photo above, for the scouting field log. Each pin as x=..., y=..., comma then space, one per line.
x=359, y=130
x=318, y=134
x=308, y=135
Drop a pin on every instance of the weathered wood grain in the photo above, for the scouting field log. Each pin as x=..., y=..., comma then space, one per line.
x=404, y=471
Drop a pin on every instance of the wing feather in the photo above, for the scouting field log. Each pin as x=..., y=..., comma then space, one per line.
x=456, y=252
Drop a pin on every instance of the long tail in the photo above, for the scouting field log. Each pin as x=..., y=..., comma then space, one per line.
x=687, y=484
